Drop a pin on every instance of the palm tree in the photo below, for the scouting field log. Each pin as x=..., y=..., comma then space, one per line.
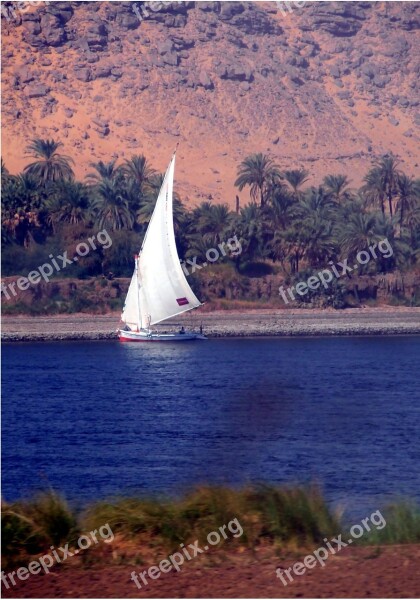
x=139, y=177
x=412, y=221
x=389, y=174
x=21, y=201
x=103, y=171
x=144, y=214
x=221, y=218
x=316, y=202
x=407, y=189
x=282, y=209
x=296, y=178
x=5, y=175
x=259, y=172
x=374, y=191
x=50, y=166
x=70, y=204
x=248, y=226
x=138, y=171
x=196, y=247
x=359, y=232
x=321, y=244
x=212, y=221
x=296, y=241
x=110, y=207
x=29, y=192
x=337, y=186
x=403, y=252
x=202, y=215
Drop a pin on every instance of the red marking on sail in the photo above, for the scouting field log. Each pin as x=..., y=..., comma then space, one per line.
x=182, y=301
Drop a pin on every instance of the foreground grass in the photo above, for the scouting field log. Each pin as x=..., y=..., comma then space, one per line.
x=402, y=526
x=283, y=517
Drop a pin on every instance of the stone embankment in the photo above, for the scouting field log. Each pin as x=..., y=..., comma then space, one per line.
x=255, y=323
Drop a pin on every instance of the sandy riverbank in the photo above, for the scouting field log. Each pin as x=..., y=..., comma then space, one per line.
x=253, y=323
x=384, y=572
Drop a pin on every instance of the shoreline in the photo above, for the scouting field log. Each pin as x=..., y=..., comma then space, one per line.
x=224, y=324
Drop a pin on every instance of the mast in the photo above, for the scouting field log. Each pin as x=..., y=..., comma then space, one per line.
x=136, y=262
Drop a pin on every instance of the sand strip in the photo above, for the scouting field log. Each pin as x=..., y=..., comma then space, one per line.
x=253, y=323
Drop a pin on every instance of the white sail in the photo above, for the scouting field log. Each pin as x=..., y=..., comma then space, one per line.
x=161, y=290
x=131, y=311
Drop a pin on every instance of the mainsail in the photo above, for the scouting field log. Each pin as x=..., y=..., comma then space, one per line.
x=159, y=289
x=131, y=311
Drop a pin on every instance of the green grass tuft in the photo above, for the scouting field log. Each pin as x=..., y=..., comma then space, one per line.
x=266, y=514
x=285, y=517
x=402, y=526
x=30, y=527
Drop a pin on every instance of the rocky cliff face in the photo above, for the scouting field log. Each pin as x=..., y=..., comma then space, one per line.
x=328, y=86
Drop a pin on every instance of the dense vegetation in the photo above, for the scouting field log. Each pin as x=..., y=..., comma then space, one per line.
x=288, y=223
x=286, y=517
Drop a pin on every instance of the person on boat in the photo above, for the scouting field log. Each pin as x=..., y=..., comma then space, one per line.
x=182, y=330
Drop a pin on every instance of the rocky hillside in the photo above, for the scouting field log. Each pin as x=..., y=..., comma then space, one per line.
x=328, y=86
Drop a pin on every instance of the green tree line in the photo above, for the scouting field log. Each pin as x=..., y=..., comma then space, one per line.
x=285, y=221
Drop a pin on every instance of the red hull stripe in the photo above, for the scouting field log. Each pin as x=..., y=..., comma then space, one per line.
x=153, y=341
x=182, y=301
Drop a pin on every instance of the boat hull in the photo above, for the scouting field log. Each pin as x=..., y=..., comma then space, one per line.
x=147, y=337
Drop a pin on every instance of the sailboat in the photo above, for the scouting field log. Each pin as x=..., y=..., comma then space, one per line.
x=159, y=289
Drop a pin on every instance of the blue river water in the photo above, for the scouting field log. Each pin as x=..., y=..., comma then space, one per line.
x=100, y=419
